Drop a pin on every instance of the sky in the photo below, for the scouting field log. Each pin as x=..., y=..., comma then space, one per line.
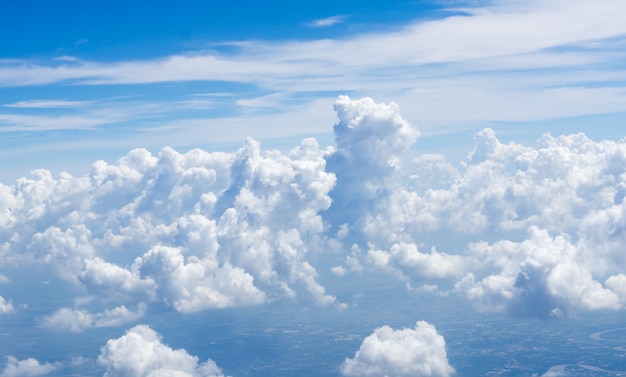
x=163, y=161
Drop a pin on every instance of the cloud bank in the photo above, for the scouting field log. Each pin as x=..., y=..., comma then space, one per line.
x=199, y=231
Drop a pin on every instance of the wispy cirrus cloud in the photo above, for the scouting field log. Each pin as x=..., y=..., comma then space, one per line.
x=495, y=32
x=506, y=61
x=46, y=104
x=326, y=22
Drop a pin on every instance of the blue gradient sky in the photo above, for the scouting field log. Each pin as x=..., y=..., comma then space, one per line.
x=84, y=80
x=328, y=188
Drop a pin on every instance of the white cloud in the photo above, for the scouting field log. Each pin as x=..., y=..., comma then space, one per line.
x=195, y=231
x=326, y=22
x=406, y=260
x=417, y=352
x=114, y=282
x=370, y=141
x=270, y=101
x=338, y=270
x=6, y=306
x=199, y=230
x=26, y=368
x=530, y=28
x=45, y=104
x=198, y=284
x=569, y=186
x=21, y=122
x=617, y=283
x=541, y=276
x=495, y=63
x=140, y=353
x=77, y=320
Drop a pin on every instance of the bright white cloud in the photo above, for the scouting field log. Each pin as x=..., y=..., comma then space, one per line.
x=140, y=353
x=370, y=140
x=199, y=284
x=406, y=260
x=416, y=352
x=25, y=368
x=537, y=277
x=195, y=231
x=199, y=230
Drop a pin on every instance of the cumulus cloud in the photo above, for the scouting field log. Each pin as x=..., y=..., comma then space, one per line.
x=140, y=353
x=563, y=199
x=415, y=352
x=199, y=284
x=370, y=139
x=196, y=231
x=406, y=260
x=540, y=276
x=25, y=368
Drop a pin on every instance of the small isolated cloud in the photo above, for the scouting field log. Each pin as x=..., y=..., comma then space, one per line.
x=338, y=270
x=79, y=320
x=140, y=353
x=326, y=22
x=6, y=306
x=25, y=368
x=417, y=352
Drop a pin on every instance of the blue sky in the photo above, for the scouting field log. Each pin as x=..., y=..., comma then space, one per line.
x=223, y=189
x=93, y=81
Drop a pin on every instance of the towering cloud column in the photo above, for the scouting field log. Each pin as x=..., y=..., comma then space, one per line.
x=370, y=138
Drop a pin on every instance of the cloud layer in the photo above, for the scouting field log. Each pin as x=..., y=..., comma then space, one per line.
x=196, y=231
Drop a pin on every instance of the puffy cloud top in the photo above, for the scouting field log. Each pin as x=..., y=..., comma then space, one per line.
x=25, y=368
x=558, y=209
x=140, y=353
x=194, y=231
x=416, y=352
x=370, y=134
x=197, y=230
x=370, y=140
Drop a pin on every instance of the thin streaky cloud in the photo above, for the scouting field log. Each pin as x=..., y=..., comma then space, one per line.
x=455, y=39
x=47, y=104
x=18, y=122
x=326, y=22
